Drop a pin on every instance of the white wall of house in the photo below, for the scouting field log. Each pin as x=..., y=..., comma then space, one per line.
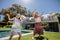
x=1, y=17
x=59, y=27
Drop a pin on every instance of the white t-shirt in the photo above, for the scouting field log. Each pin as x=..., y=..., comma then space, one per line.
x=16, y=23
x=38, y=20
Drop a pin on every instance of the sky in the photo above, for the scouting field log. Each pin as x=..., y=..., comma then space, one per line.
x=45, y=6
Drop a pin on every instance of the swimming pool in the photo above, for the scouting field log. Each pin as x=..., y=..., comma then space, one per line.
x=6, y=33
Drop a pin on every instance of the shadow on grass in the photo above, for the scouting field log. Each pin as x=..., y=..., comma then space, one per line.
x=40, y=38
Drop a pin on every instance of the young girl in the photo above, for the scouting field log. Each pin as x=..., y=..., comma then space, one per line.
x=38, y=29
x=17, y=20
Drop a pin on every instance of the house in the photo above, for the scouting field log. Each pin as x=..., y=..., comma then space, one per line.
x=52, y=22
x=50, y=19
x=1, y=17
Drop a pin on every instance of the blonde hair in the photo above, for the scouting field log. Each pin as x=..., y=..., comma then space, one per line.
x=35, y=14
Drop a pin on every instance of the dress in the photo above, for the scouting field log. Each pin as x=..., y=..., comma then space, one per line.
x=16, y=25
x=38, y=29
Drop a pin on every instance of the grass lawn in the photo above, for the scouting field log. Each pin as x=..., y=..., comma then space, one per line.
x=49, y=35
x=4, y=28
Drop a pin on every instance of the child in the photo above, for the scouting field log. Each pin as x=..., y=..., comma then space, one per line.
x=38, y=29
x=17, y=20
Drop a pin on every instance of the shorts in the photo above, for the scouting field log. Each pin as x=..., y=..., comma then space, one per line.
x=16, y=28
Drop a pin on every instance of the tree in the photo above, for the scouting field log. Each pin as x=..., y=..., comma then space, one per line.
x=29, y=14
x=4, y=11
x=20, y=9
x=23, y=11
x=11, y=11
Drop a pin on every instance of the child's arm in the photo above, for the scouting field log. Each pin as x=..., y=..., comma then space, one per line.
x=21, y=20
x=9, y=17
x=34, y=10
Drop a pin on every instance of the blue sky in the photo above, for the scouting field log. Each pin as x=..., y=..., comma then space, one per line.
x=46, y=6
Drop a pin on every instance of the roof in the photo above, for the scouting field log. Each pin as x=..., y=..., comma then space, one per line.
x=49, y=18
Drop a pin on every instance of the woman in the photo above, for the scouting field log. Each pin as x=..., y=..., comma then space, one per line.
x=38, y=29
x=17, y=20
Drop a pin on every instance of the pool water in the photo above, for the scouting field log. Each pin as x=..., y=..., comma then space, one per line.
x=6, y=33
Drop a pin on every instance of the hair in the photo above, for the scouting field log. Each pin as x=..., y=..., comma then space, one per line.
x=36, y=14
x=16, y=14
x=20, y=17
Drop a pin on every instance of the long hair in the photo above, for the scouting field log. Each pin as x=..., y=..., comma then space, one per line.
x=35, y=14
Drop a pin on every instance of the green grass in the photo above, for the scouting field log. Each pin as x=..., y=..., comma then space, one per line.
x=52, y=35
x=4, y=28
x=49, y=35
